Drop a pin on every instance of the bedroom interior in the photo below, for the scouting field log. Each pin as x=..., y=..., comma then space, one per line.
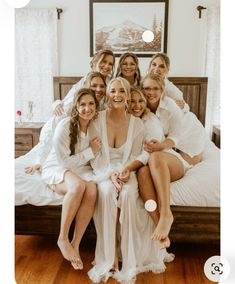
x=197, y=213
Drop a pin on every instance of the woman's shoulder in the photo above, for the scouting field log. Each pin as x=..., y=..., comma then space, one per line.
x=168, y=102
x=63, y=124
x=137, y=121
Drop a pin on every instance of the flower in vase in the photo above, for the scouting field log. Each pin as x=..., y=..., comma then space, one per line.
x=19, y=113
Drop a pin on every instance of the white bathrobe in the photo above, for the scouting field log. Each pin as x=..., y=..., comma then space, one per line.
x=137, y=251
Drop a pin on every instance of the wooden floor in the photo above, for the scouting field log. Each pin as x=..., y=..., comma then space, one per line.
x=38, y=260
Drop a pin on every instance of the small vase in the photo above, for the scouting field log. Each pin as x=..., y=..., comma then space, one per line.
x=19, y=119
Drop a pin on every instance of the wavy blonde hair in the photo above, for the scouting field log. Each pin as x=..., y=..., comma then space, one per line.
x=74, y=117
x=163, y=56
x=137, y=75
x=98, y=58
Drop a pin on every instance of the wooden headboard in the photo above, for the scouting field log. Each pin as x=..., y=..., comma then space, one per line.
x=193, y=88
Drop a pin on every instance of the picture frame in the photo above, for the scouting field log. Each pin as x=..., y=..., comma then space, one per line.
x=119, y=26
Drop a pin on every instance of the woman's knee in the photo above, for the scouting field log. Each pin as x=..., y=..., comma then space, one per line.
x=156, y=159
x=91, y=192
x=77, y=187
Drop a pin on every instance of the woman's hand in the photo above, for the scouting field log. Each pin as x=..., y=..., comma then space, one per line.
x=124, y=175
x=116, y=181
x=95, y=145
x=31, y=170
x=152, y=146
x=180, y=103
x=59, y=110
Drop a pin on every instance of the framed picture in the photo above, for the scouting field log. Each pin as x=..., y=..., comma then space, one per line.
x=119, y=26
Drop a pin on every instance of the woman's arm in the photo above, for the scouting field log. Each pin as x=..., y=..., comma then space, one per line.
x=62, y=106
x=177, y=95
x=61, y=142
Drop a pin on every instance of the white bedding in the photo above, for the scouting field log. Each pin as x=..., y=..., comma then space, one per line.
x=199, y=187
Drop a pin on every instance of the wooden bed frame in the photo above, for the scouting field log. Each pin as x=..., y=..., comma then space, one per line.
x=191, y=224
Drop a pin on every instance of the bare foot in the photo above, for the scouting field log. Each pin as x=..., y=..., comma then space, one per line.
x=67, y=250
x=165, y=243
x=78, y=264
x=163, y=227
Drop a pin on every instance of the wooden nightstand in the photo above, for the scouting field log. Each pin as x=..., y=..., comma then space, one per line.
x=216, y=135
x=26, y=136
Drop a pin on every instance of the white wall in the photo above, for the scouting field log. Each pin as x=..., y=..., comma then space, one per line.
x=186, y=37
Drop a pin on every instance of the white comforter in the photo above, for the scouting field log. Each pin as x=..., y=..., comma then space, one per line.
x=199, y=187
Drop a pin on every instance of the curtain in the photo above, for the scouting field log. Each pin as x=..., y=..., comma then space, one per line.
x=35, y=62
x=212, y=66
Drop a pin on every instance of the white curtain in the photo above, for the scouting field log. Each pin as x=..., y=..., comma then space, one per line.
x=36, y=62
x=212, y=65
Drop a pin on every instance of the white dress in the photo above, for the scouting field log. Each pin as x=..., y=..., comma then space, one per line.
x=184, y=129
x=137, y=251
x=59, y=159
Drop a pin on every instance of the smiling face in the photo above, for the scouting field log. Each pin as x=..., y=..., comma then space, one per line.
x=117, y=95
x=128, y=67
x=152, y=91
x=98, y=86
x=105, y=65
x=158, y=67
x=86, y=107
x=137, y=104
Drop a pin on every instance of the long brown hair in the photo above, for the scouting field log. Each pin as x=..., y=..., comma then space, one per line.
x=74, y=117
x=137, y=75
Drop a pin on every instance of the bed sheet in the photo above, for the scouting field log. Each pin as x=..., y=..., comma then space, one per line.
x=199, y=187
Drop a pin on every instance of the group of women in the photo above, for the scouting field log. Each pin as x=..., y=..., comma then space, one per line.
x=113, y=144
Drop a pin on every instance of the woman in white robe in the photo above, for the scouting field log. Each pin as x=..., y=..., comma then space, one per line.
x=154, y=180
x=160, y=65
x=191, y=137
x=27, y=167
x=102, y=62
x=66, y=171
x=123, y=226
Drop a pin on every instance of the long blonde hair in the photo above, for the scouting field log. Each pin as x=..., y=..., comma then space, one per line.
x=74, y=117
x=137, y=75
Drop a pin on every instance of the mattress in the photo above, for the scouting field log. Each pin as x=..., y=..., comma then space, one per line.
x=200, y=185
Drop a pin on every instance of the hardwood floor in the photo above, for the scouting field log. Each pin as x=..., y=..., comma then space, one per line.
x=38, y=261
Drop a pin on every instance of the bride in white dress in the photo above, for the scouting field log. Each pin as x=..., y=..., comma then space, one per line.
x=123, y=226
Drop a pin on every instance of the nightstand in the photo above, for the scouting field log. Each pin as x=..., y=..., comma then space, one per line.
x=216, y=135
x=26, y=136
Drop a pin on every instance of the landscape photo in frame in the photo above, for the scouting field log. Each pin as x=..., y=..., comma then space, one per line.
x=119, y=26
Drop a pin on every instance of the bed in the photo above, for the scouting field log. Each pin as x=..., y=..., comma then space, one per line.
x=195, y=199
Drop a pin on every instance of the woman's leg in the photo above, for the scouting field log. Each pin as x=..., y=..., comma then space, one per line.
x=164, y=168
x=192, y=160
x=72, y=188
x=147, y=190
x=83, y=216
